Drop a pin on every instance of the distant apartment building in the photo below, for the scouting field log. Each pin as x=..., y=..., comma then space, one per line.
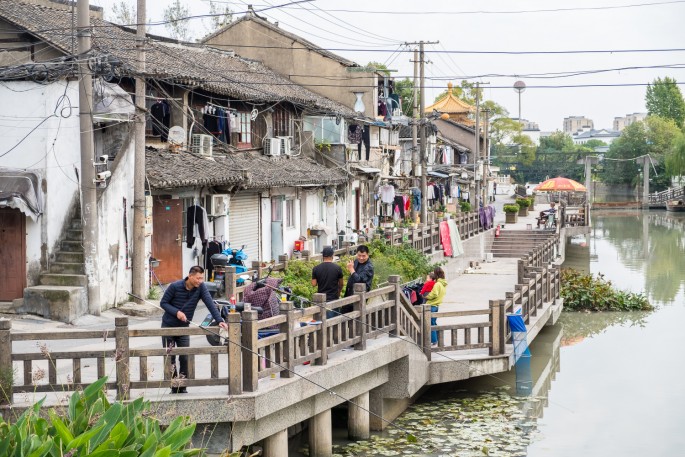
x=605, y=135
x=573, y=124
x=622, y=122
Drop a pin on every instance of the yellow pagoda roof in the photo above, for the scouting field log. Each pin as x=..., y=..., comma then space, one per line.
x=450, y=104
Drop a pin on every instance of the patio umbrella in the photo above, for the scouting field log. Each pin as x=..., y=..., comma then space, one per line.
x=561, y=184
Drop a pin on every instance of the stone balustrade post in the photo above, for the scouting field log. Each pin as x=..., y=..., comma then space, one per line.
x=233, y=352
x=426, y=331
x=6, y=371
x=497, y=328
x=360, y=291
x=249, y=351
x=122, y=357
x=394, y=280
x=322, y=340
x=287, y=328
x=230, y=281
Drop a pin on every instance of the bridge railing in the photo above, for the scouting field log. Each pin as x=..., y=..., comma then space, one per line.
x=674, y=193
x=538, y=283
x=424, y=238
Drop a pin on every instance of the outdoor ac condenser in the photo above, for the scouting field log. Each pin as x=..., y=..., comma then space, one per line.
x=219, y=205
x=285, y=144
x=272, y=146
x=202, y=144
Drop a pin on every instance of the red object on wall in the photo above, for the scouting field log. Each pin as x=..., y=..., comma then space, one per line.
x=497, y=231
x=299, y=245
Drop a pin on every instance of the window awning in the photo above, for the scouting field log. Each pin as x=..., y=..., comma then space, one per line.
x=437, y=174
x=21, y=189
x=368, y=170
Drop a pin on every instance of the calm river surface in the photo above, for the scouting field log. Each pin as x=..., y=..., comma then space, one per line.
x=609, y=384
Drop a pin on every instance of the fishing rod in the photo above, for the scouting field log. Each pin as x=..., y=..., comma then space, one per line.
x=410, y=436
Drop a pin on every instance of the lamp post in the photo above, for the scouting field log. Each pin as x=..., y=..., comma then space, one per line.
x=519, y=87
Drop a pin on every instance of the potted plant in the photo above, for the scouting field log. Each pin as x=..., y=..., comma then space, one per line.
x=511, y=213
x=531, y=207
x=465, y=207
x=523, y=204
x=440, y=211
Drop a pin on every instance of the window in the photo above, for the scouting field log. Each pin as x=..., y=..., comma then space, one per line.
x=281, y=122
x=185, y=203
x=276, y=209
x=244, y=129
x=325, y=129
x=290, y=213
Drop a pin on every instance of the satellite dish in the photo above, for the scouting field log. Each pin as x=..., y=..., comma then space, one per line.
x=177, y=135
x=254, y=113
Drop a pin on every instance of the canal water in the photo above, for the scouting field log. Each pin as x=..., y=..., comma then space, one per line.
x=605, y=384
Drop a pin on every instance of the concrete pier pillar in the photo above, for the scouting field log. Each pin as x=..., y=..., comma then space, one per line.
x=276, y=445
x=358, y=417
x=321, y=435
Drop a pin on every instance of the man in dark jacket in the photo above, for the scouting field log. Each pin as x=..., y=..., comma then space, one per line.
x=361, y=271
x=179, y=303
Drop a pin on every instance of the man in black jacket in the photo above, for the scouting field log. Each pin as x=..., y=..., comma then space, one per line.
x=179, y=303
x=361, y=271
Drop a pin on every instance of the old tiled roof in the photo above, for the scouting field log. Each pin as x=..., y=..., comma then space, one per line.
x=450, y=104
x=168, y=170
x=215, y=71
x=305, y=43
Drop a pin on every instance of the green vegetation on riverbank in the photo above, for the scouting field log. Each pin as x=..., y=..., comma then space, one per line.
x=585, y=292
x=387, y=260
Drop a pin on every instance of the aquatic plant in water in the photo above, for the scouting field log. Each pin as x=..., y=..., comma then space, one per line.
x=490, y=424
x=585, y=292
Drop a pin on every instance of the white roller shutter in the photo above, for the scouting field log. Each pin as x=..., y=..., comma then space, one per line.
x=244, y=224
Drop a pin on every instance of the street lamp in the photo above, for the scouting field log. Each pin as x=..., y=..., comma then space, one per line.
x=519, y=86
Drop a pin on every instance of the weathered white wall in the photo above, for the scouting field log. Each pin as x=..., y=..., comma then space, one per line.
x=113, y=273
x=51, y=147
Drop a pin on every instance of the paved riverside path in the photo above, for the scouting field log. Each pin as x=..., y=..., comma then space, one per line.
x=466, y=291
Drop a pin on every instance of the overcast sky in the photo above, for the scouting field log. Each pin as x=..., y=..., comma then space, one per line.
x=372, y=30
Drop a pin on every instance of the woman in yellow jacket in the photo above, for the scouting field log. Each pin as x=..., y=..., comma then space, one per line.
x=434, y=299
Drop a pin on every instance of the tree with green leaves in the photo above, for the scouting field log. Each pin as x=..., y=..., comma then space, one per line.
x=557, y=141
x=664, y=99
x=405, y=89
x=219, y=17
x=176, y=22
x=379, y=67
x=675, y=160
x=122, y=13
x=654, y=137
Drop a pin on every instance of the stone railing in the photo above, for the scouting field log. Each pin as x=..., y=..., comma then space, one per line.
x=538, y=283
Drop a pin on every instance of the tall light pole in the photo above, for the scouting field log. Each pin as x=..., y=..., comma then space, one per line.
x=519, y=86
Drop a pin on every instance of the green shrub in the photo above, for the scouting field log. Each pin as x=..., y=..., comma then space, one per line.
x=387, y=260
x=523, y=202
x=511, y=208
x=465, y=207
x=584, y=292
x=92, y=426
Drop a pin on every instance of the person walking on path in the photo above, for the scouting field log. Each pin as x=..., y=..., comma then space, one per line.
x=179, y=303
x=435, y=298
x=361, y=272
x=327, y=277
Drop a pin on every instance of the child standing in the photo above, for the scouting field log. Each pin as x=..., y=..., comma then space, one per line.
x=428, y=285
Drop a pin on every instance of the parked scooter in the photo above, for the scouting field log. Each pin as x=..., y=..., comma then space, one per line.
x=228, y=258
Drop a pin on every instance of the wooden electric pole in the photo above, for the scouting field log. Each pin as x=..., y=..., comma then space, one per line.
x=415, y=130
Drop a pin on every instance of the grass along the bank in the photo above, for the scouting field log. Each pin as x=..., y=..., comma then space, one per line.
x=586, y=292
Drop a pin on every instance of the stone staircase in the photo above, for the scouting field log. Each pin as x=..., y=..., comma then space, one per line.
x=62, y=293
x=517, y=243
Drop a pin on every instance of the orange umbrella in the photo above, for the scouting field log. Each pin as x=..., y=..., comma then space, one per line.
x=560, y=184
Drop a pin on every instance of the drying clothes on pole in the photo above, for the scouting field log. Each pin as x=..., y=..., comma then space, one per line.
x=387, y=193
x=196, y=225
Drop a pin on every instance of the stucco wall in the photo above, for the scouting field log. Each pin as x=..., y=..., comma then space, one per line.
x=319, y=74
x=51, y=148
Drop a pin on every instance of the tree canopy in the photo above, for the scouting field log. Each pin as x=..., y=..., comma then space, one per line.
x=557, y=141
x=664, y=99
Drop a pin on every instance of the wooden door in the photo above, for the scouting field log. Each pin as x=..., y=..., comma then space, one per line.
x=167, y=225
x=12, y=254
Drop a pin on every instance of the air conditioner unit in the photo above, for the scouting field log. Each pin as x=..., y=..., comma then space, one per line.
x=219, y=205
x=272, y=146
x=285, y=144
x=202, y=144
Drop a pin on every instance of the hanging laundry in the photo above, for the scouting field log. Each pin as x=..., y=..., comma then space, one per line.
x=161, y=118
x=196, y=225
x=387, y=193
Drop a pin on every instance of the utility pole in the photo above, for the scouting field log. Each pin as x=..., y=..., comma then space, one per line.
x=414, y=129
x=476, y=150
x=89, y=203
x=424, y=150
x=139, y=255
x=486, y=153
x=423, y=159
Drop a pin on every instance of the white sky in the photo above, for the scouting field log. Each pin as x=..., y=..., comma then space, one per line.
x=648, y=26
